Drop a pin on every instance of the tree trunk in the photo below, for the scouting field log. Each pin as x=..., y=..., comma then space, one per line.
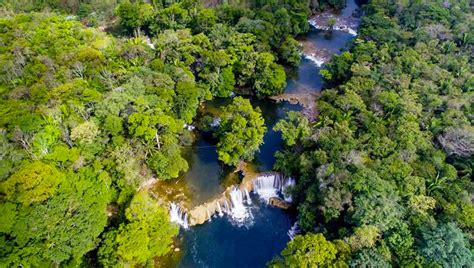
x=158, y=141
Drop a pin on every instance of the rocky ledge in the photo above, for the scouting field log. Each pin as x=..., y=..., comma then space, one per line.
x=279, y=203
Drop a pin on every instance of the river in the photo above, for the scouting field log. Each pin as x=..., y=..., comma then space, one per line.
x=223, y=242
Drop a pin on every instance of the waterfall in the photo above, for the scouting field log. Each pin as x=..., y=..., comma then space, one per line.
x=219, y=209
x=226, y=206
x=318, y=60
x=209, y=217
x=247, y=195
x=238, y=212
x=273, y=185
x=178, y=215
x=294, y=231
x=236, y=202
x=267, y=186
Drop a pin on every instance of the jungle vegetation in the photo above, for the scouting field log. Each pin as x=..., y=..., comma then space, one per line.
x=88, y=117
x=385, y=172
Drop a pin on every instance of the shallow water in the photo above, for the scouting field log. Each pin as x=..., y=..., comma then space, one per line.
x=205, y=173
x=306, y=77
x=221, y=243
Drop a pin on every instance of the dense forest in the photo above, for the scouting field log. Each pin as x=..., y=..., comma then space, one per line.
x=96, y=99
x=87, y=117
x=385, y=172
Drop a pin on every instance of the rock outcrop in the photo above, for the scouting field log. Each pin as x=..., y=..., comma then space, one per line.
x=279, y=203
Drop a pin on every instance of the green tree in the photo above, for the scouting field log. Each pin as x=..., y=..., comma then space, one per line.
x=34, y=182
x=290, y=51
x=168, y=162
x=205, y=20
x=338, y=70
x=240, y=133
x=66, y=225
x=217, y=72
x=364, y=236
x=134, y=15
x=85, y=132
x=269, y=77
x=446, y=245
x=311, y=250
x=369, y=258
x=113, y=124
x=173, y=17
x=151, y=124
x=146, y=234
x=294, y=128
x=186, y=101
x=402, y=241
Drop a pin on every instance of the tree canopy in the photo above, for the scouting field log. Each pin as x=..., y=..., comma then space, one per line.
x=387, y=165
x=95, y=100
x=312, y=250
x=147, y=233
x=240, y=132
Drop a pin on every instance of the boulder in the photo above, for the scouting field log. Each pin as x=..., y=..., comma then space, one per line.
x=279, y=203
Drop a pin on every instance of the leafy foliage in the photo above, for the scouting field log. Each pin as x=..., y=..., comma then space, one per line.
x=295, y=126
x=241, y=132
x=387, y=165
x=86, y=118
x=312, y=250
x=66, y=224
x=446, y=245
x=134, y=15
x=33, y=183
x=146, y=234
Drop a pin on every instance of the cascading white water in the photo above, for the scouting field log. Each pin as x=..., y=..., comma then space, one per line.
x=318, y=60
x=238, y=202
x=209, y=216
x=178, y=215
x=219, y=209
x=226, y=206
x=239, y=211
x=294, y=231
x=339, y=26
x=273, y=185
x=247, y=195
x=267, y=186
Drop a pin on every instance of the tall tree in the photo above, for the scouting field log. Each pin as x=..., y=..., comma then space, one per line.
x=33, y=183
x=146, y=234
x=240, y=133
x=134, y=15
x=312, y=250
x=446, y=245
